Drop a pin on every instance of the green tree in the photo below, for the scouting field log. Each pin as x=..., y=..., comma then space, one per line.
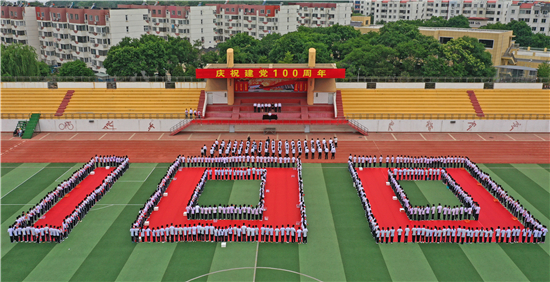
x=468, y=58
x=524, y=36
x=75, y=68
x=245, y=49
x=177, y=71
x=370, y=60
x=125, y=61
x=21, y=60
x=287, y=59
x=210, y=57
x=544, y=70
x=45, y=70
x=150, y=55
x=459, y=21
x=397, y=32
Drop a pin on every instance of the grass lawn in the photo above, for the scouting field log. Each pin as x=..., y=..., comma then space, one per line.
x=429, y=192
x=340, y=246
x=230, y=192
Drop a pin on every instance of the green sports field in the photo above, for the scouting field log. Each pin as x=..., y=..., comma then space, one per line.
x=230, y=192
x=340, y=246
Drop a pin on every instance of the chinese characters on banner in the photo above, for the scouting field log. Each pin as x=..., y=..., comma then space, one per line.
x=271, y=73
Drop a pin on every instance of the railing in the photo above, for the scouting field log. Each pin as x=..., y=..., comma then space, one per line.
x=266, y=122
x=352, y=116
x=359, y=126
x=446, y=79
x=101, y=79
x=97, y=116
x=180, y=124
x=335, y=106
x=194, y=79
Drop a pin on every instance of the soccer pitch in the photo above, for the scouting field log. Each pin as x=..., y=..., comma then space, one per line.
x=340, y=246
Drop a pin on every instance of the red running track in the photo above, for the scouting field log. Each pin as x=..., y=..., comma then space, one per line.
x=387, y=213
x=56, y=215
x=280, y=202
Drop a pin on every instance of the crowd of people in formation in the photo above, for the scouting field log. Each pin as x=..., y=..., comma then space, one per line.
x=24, y=230
x=532, y=230
x=513, y=205
x=192, y=114
x=154, y=199
x=277, y=150
x=469, y=209
x=401, y=161
x=267, y=107
x=208, y=233
x=230, y=212
x=141, y=232
x=458, y=234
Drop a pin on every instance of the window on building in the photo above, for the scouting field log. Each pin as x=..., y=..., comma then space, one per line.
x=126, y=17
x=97, y=18
x=179, y=13
x=444, y=40
x=127, y=29
x=543, y=21
x=541, y=29
x=261, y=11
x=487, y=42
x=158, y=12
x=535, y=20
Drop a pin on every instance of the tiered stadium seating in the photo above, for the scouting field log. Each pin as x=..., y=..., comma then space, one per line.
x=133, y=100
x=31, y=100
x=514, y=101
x=406, y=101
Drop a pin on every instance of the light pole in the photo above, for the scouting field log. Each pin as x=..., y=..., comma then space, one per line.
x=358, y=71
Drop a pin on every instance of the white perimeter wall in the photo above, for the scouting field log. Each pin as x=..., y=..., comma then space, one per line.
x=339, y=85
x=99, y=125
x=140, y=85
x=444, y=85
x=412, y=85
x=77, y=85
x=517, y=86
x=401, y=125
x=72, y=85
x=164, y=125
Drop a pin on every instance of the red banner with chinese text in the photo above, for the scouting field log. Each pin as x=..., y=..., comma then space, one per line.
x=271, y=73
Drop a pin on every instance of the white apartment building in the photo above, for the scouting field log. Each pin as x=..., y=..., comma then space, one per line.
x=324, y=14
x=254, y=20
x=534, y=13
x=259, y=20
x=68, y=34
x=18, y=25
x=191, y=23
x=62, y=34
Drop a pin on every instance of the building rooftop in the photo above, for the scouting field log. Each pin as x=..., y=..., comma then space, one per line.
x=379, y=26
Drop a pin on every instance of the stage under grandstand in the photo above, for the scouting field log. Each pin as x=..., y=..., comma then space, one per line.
x=255, y=97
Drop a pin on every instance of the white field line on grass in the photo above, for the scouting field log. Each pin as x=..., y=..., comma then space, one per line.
x=23, y=182
x=256, y=262
x=259, y=267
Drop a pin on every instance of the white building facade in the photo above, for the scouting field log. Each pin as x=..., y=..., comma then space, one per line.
x=534, y=13
x=60, y=34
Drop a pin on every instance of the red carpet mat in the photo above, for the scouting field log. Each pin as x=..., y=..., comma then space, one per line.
x=67, y=205
x=387, y=213
x=280, y=201
x=492, y=213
